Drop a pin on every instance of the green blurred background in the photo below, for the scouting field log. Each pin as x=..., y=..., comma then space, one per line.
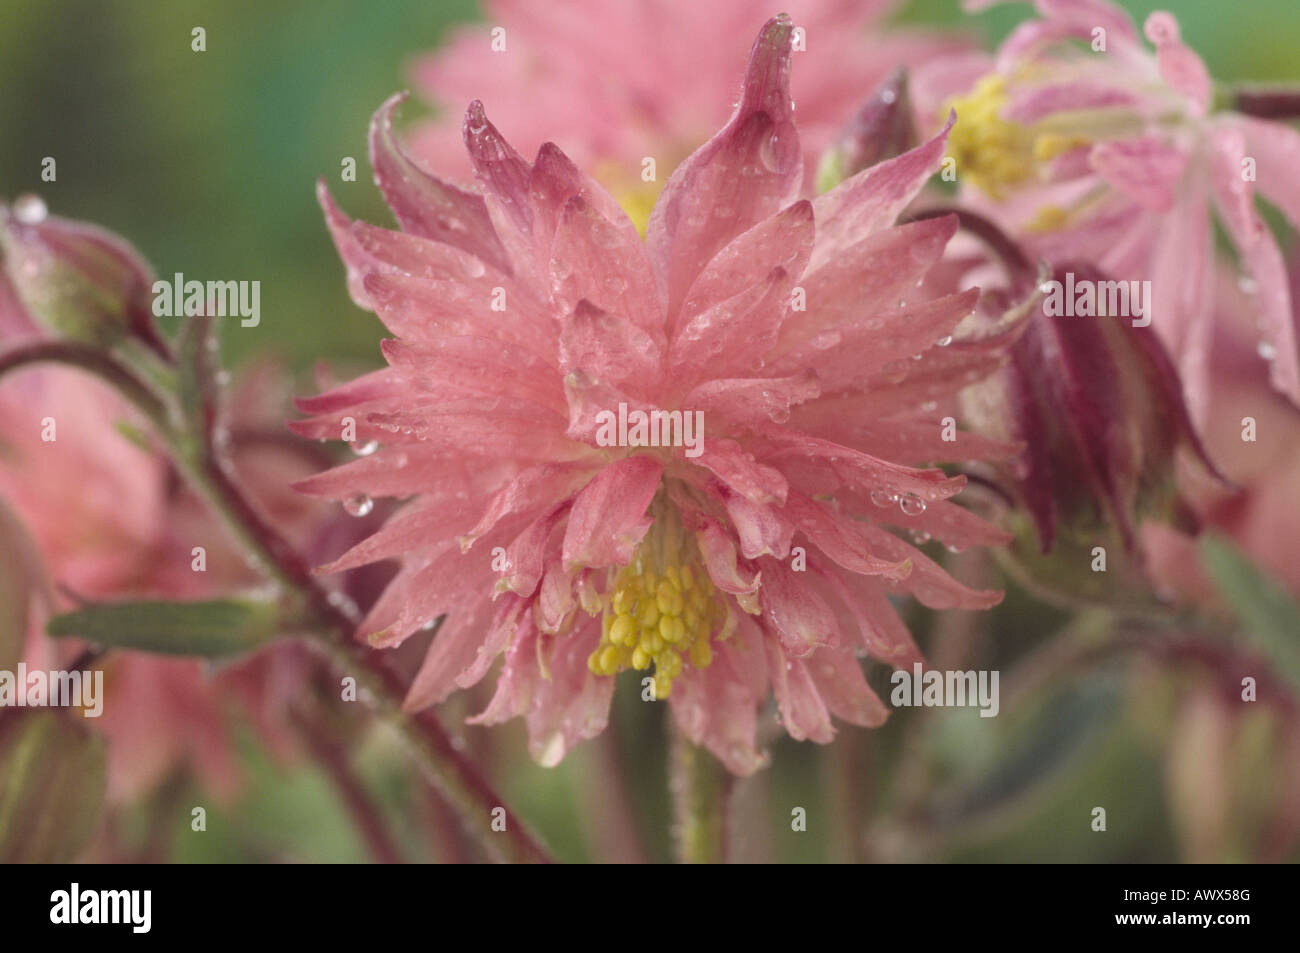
x=207, y=161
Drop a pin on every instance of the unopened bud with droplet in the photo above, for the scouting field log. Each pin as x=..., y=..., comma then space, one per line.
x=880, y=130
x=77, y=280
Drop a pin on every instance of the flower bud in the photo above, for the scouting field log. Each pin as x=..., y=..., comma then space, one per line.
x=75, y=279
x=1098, y=407
x=880, y=130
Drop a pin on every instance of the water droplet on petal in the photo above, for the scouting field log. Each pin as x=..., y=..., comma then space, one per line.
x=364, y=449
x=769, y=153
x=30, y=209
x=911, y=504
x=944, y=341
x=1266, y=350
x=1247, y=284
x=359, y=505
x=883, y=497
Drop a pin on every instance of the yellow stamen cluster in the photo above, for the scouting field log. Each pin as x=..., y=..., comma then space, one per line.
x=662, y=610
x=994, y=153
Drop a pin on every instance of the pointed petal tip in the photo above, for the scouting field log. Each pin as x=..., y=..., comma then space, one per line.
x=382, y=119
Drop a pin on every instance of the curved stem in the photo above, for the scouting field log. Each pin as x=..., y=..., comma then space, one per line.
x=98, y=362
x=1267, y=102
x=701, y=788
x=333, y=758
x=212, y=476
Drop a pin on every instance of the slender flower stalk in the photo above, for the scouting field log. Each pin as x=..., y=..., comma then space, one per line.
x=361, y=807
x=327, y=616
x=701, y=790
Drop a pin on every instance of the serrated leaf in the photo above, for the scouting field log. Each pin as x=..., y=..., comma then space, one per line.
x=1268, y=614
x=52, y=782
x=211, y=629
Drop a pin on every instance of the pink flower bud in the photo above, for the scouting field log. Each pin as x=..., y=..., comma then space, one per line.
x=76, y=280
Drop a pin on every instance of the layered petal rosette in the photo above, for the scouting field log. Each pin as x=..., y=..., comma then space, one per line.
x=1090, y=145
x=687, y=456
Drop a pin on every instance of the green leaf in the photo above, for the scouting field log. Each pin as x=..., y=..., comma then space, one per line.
x=52, y=782
x=1270, y=617
x=211, y=629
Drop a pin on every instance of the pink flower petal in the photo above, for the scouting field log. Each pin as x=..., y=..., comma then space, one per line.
x=426, y=206
x=608, y=347
x=797, y=614
x=609, y=515
x=871, y=200
x=749, y=171
x=801, y=707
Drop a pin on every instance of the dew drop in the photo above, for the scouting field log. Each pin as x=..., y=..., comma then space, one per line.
x=768, y=153
x=1266, y=350
x=1247, y=284
x=944, y=341
x=911, y=504
x=30, y=209
x=883, y=497
x=364, y=449
x=920, y=537
x=359, y=505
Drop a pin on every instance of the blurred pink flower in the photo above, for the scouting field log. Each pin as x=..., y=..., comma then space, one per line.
x=1259, y=514
x=111, y=521
x=613, y=83
x=1090, y=148
x=528, y=312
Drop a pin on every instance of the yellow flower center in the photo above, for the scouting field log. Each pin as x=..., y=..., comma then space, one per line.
x=994, y=153
x=635, y=196
x=662, y=608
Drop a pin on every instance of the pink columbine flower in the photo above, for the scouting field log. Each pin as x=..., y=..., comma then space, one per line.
x=1089, y=147
x=615, y=83
x=530, y=320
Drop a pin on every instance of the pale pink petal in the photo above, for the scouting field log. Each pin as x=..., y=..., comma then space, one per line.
x=717, y=707
x=843, y=689
x=798, y=615
x=1181, y=68
x=608, y=347
x=425, y=205
x=1146, y=169
x=747, y=172
x=802, y=710
x=609, y=515
x=591, y=258
x=871, y=200
x=1275, y=315
x=720, y=559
